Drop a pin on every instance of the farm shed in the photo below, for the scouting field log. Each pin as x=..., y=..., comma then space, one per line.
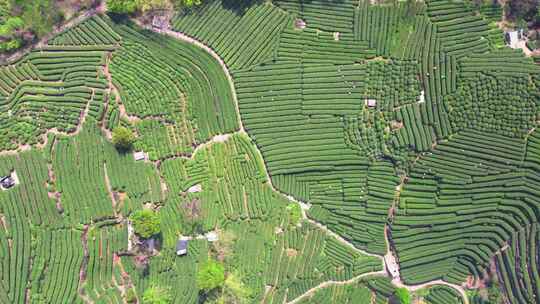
x=7, y=182
x=512, y=38
x=181, y=247
x=139, y=156
x=300, y=24
x=370, y=102
x=212, y=236
x=160, y=22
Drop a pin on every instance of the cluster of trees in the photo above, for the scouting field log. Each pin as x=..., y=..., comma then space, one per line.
x=523, y=10
x=24, y=21
x=218, y=286
x=136, y=6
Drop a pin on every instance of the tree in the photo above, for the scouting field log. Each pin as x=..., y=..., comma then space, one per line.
x=235, y=291
x=122, y=6
x=522, y=9
x=123, y=138
x=156, y=295
x=211, y=275
x=146, y=223
x=403, y=295
x=295, y=213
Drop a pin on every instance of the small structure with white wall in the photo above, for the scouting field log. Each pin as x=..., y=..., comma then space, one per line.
x=160, y=22
x=422, y=97
x=370, y=102
x=300, y=24
x=195, y=188
x=8, y=181
x=139, y=155
x=212, y=236
x=512, y=38
x=181, y=247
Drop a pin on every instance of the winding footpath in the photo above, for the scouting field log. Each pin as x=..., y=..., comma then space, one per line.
x=305, y=206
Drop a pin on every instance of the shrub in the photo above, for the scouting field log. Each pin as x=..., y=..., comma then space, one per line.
x=122, y=6
x=403, y=295
x=123, y=138
x=210, y=276
x=146, y=223
x=295, y=213
x=156, y=295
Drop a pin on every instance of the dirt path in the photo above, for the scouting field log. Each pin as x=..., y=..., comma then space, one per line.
x=190, y=40
x=330, y=283
x=305, y=206
x=84, y=266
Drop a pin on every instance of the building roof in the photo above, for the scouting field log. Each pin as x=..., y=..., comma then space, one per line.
x=159, y=22
x=212, y=236
x=370, y=102
x=299, y=23
x=513, y=37
x=181, y=245
x=7, y=181
x=139, y=155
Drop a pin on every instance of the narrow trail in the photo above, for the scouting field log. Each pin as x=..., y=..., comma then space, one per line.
x=190, y=40
x=338, y=283
x=305, y=206
x=84, y=265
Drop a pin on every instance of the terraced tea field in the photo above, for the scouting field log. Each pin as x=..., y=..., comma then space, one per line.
x=320, y=152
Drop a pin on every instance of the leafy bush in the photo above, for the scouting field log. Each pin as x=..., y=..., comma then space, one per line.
x=403, y=295
x=146, y=223
x=156, y=295
x=211, y=276
x=295, y=213
x=123, y=138
x=122, y=6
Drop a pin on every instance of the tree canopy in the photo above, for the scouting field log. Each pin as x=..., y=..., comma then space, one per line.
x=146, y=223
x=156, y=295
x=295, y=213
x=123, y=138
x=132, y=6
x=122, y=6
x=403, y=295
x=211, y=275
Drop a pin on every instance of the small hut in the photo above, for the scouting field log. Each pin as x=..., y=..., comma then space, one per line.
x=211, y=236
x=370, y=102
x=139, y=156
x=300, y=24
x=160, y=22
x=7, y=182
x=181, y=247
x=512, y=38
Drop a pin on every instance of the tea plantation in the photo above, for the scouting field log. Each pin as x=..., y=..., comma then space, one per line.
x=310, y=151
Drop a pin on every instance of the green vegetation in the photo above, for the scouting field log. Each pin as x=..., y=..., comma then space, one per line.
x=403, y=295
x=210, y=276
x=295, y=213
x=403, y=124
x=146, y=223
x=133, y=6
x=123, y=138
x=156, y=295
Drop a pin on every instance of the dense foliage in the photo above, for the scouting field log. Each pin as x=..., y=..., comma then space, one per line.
x=123, y=138
x=210, y=276
x=156, y=295
x=146, y=223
